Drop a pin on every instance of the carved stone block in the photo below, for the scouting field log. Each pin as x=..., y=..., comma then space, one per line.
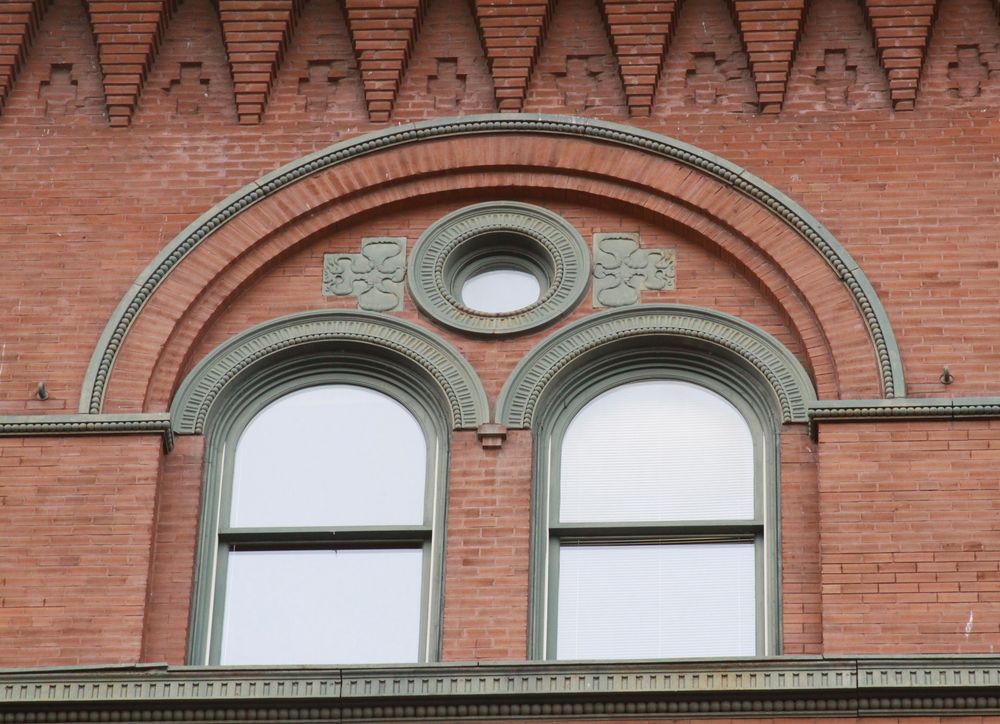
x=622, y=270
x=375, y=275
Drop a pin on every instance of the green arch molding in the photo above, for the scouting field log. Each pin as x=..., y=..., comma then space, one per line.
x=104, y=355
x=389, y=337
x=776, y=366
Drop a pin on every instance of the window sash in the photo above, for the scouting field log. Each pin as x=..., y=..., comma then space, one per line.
x=552, y=533
x=205, y=645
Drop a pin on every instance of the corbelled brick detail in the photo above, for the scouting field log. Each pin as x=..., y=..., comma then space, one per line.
x=902, y=29
x=640, y=31
x=770, y=30
x=512, y=32
x=383, y=33
x=256, y=35
x=128, y=35
x=18, y=23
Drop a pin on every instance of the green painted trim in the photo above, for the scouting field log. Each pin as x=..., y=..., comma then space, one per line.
x=822, y=241
x=132, y=423
x=393, y=338
x=806, y=687
x=568, y=394
x=372, y=368
x=668, y=327
x=547, y=245
x=909, y=408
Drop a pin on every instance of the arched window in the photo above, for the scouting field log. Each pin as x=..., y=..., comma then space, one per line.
x=656, y=483
x=321, y=537
x=325, y=518
x=655, y=525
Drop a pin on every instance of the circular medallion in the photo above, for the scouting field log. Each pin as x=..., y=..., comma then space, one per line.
x=499, y=268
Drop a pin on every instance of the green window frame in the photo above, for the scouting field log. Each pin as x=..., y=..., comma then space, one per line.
x=218, y=539
x=550, y=534
x=231, y=539
x=417, y=369
x=737, y=360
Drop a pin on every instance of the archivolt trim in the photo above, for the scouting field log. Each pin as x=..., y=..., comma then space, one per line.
x=783, y=374
x=458, y=383
x=877, y=322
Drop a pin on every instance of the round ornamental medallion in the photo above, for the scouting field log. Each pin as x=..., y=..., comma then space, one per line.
x=499, y=268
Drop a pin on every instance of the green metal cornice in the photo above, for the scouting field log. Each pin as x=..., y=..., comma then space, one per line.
x=786, y=687
x=809, y=229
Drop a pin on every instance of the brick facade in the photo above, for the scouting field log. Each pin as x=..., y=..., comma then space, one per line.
x=123, y=122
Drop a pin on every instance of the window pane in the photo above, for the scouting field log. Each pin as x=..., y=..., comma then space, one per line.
x=328, y=456
x=656, y=601
x=499, y=291
x=322, y=607
x=657, y=451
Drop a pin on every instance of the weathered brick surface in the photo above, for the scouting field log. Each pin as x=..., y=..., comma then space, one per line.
x=576, y=70
x=911, y=559
x=888, y=540
x=902, y=29
x=77, y=519
x=18, y=24
x=836, y=68
x=447, y=73
x=512, y=33
x=770, y=32
x=640, y=31
x=383, y=36
x=256, y=33
x=128, y=35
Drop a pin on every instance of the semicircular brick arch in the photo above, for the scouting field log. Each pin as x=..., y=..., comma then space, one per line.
x=666, y=167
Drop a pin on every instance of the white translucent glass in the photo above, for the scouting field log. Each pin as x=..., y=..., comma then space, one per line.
x=498, y=291
x=322, y=607
x=656, y=601
x=335, y=455
x=657, y=451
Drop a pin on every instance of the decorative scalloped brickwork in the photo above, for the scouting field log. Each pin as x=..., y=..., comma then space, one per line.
x=902, y=29
x=873, y=314
x=784, y=375
x=463, y=390
x=640, y=31
x=770, y=32
x=256, y=34
x=383, y=34
x=127, y=34
x=19, y=19
x=512, y=33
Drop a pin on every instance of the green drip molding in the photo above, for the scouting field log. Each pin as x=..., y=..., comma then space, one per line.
x=663, y=328
x=745, y=688
x=389, y=337
x=117, y=424
x=822, y=241
x=910, y=408
x=925, y=408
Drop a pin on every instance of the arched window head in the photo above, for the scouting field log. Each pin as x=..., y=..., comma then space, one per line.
x=321, y=538
x=656, y=483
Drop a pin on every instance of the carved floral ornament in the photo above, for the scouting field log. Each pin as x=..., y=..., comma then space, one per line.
x=499, y=235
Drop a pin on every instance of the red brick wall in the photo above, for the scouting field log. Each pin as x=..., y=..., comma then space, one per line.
x=77, y=521
x=889, y=540
x=911, y=558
